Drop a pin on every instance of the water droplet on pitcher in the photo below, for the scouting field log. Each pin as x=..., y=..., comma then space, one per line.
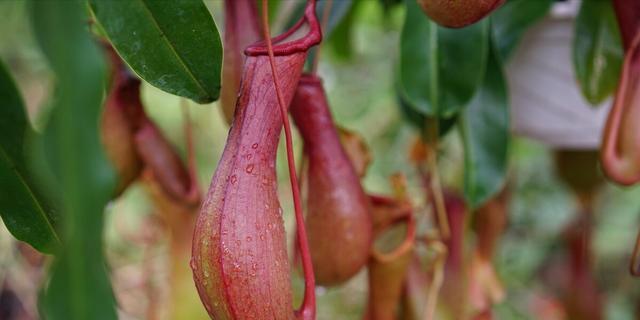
x=249, y=168
x=254, y=146
x=234, y=178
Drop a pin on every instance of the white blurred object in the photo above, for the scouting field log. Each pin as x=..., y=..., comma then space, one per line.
x=546, y=102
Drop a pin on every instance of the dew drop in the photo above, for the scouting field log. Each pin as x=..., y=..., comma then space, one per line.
x=193, y=264
x=249, y=168
x=234, y=178
x=249, y=239
x=254, y=146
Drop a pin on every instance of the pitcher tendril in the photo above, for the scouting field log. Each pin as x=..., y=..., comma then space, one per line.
x=308, y=308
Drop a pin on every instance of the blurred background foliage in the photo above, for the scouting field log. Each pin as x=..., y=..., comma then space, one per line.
x=360, y=86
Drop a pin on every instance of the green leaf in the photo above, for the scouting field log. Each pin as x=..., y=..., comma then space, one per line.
x=26, y=213
x=79, y=287
x=597, y=50
x=173, y=45
x=440, y=68
x=419, y=121
x=512, y=19
x=484, y=127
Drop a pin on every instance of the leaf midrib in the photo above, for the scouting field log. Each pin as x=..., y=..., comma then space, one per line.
x=201, y=86
x=34, y=199
x=598, y=47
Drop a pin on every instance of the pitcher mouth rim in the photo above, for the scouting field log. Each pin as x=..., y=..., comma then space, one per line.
x=312, y=38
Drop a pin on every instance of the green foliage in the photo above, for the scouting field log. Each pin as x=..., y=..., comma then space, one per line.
x=484, y=127
x=340, y=40
x=79, y=287
x=597, y=50
x=420, y=121
x=429, y=54
x=512, y=19
x=24, y=210
x=173, y=45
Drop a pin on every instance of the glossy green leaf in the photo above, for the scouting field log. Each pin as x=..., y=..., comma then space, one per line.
x=79, y=287
x=597, y=50
x=512, y=19
x=484, y=127
x=26, y=213
x=173, y=45
x=419, y=121
x=440, y=68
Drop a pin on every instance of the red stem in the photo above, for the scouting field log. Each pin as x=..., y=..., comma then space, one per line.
x=308, y=308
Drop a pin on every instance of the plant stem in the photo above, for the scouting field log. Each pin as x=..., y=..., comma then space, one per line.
x=431, y=139
x=438, y=279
